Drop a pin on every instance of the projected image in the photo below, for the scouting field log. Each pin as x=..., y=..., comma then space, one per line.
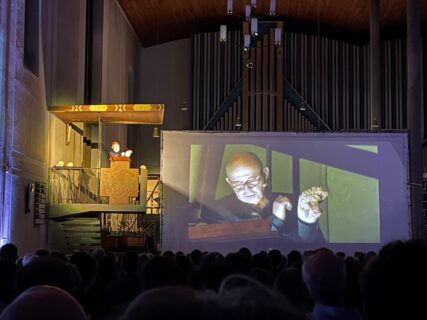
x=253, y=199
x=275, y=190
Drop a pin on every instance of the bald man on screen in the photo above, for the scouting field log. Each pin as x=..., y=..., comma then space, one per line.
x=249, y=180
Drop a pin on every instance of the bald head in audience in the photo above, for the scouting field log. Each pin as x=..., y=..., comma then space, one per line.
x=44, y=302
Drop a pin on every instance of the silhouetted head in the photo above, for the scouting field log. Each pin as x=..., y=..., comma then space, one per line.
x=236, y=281
x=246, y=252
x=168, y=254
x=44, y=302
x=86, y=266
x=261, y=260
x=185, y=266
x=45, y=271
x=196, y=256
x=324, y=274
x=107, y=271
x=394, y=283
x=341, y=254
x=59, y=255
x=254, y=303
x=289, y=282
x=7, y=281
x=98, y=253
x=130, y=262
x=238, y=262
x=42, y=252
x=261, y=275
x=9, y=252
x=275, y=257
x=293, y=257
x=172, y=303
x=159, y=272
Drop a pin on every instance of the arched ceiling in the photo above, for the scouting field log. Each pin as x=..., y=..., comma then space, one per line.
x=159, y=21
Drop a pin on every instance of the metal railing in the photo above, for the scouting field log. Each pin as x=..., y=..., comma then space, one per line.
x=74, y=185
x=154, y=189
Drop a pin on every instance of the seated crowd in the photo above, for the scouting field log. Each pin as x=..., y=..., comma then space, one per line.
x=267, y=285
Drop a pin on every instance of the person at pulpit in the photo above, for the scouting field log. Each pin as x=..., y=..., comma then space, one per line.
x=115, y=150
x=252, y=199
x=120, y=184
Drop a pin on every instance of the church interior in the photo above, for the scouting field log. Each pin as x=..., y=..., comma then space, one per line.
x=79, y=75
x=201, y=132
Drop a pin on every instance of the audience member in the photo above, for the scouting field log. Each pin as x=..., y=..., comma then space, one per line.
x=59, y=255
x=44, y=302
x=238, y=262
x=86, y=267
x=254, y=303
x=9, y=252
x=185, y=267
x=7, y=281
x=45, y=271
x=324, y=274
x=237, y=281
x=160, y=271
x=172, y=303
x=42, y=253
x=98, y=306
x=316, y=285
x=196, y=257
x=289, y=282
x=394, y=283
x=294, y=257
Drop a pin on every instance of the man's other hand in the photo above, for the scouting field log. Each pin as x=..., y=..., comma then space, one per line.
x=280, y=205
x=309, y=210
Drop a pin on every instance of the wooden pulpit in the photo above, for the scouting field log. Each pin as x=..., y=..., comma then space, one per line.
x=119, y=182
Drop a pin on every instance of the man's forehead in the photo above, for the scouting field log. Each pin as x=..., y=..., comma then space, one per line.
x=243, y=172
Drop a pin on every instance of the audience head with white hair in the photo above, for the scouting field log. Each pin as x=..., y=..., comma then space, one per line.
x=324, y=274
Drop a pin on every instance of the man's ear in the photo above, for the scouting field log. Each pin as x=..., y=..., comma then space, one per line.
x=266, y=172
x=228, y=180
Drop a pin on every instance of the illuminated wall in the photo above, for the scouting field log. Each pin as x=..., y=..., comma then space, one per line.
x=4, y=221
x=31, y=139
x=25, y=132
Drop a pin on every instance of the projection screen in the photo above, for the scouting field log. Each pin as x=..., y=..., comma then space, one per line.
x=265, y=190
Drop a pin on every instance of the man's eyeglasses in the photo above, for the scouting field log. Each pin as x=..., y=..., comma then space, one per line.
x=250, y=183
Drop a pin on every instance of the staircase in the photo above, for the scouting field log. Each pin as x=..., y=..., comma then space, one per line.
x=82, y=234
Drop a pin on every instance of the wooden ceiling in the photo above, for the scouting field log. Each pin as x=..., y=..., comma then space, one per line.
x=159, y=21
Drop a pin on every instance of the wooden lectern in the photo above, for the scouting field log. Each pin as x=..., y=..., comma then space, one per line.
x=119, y=182
x=239, y=229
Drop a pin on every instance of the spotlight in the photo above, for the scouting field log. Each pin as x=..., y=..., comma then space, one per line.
x=238, y=123
x=249, y=64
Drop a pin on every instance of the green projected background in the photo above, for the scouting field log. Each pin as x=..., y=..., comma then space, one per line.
x=195, y=163
x=351, y=213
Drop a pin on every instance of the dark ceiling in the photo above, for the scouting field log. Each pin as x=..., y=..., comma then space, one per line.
x=159, y=21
